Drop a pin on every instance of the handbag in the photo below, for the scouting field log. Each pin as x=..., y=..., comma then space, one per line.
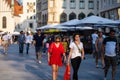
x=78, y=48
x=80, y=51
x=67, y=73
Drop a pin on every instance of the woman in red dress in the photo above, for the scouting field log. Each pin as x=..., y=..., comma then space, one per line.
x=54, y=56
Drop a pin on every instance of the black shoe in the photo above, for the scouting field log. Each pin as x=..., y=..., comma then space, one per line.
x=27, y=53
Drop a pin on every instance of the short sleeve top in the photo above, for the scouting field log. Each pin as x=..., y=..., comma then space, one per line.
x=76, y=52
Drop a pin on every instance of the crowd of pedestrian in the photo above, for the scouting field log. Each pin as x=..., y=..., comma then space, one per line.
x=66, y=48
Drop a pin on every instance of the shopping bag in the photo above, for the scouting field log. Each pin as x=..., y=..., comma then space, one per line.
x=67, y=73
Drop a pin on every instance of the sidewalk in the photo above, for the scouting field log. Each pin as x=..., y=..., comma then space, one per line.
x=16, y=67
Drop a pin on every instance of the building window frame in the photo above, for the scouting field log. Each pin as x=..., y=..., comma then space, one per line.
x=31, y=25
x=72, y=4
x=82, y=4
x=63, y=17
x=72, y=16
x=90, y=4
x=4, y=22
x=64, y=4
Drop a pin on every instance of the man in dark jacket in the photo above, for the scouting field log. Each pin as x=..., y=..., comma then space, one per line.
x=21, y=41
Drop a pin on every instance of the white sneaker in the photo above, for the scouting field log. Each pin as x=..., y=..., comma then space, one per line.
x=39, y=62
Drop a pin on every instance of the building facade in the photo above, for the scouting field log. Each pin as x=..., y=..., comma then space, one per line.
x=28, y=18
x=17, y=17
x=109, y=9
x=59, y=11
x=6, y=17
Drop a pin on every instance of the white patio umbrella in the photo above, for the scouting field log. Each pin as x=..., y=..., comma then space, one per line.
x=60, y=27
x=71, y=23
x=15, y=33
x=97, y=20
x=45, y=27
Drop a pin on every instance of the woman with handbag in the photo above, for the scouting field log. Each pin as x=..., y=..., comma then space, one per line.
x=76, y=55
x=54, y=56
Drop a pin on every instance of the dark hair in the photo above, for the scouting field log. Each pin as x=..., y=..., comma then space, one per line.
x=112, y=30
x=75, y=35
x=38, y=30
x=21, y=31
x=56, y=37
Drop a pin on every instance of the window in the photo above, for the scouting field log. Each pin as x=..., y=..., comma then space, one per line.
x=81, y=16
x=34, y=11
x=64, y=4
x=91, y=4
x=31, y=25
x=63, y=18
x=27, y=10
x=90, y=14
x=30, y=17
x=4, y=22
x=72, y=4
x=27, y=3
x=51, y=3
x=97, y=4
x=72, y=16
x=34, y=3
x=34, y=17
x=82, y=4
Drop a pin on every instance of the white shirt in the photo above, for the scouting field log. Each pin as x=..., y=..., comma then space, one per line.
x=9, y=36
x=5, y=37
x=75, y=49
x=28, y=39
x=94, y=38
x=110, y=48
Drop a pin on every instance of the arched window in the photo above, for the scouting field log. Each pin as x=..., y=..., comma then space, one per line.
x=4, y=22
x=90, y=14
x=63, y=17
x=81, y=16
x=72, y=16
x=43, y=19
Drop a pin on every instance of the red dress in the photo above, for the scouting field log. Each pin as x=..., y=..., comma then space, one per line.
x=55, y=54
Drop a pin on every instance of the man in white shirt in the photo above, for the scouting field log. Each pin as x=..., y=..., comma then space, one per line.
x=94, y=38
x=28, y=40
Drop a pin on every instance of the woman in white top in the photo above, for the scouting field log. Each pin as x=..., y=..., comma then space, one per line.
x=76, y=54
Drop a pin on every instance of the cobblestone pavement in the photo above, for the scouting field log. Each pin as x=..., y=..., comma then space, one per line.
x=16, y=67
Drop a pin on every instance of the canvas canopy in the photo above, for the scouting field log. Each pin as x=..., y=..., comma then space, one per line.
x=97, y=20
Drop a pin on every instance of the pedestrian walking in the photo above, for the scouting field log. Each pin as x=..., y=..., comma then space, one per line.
x=39, y=45
x=76, y=55
x=5, y=42
x=99, y=53
x=94, y=38
x=109, y=48
x=54, y=56
x=28, y=41
x=21, y=42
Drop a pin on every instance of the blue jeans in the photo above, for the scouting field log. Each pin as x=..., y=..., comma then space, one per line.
x=27, y=47
x=21, y=47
